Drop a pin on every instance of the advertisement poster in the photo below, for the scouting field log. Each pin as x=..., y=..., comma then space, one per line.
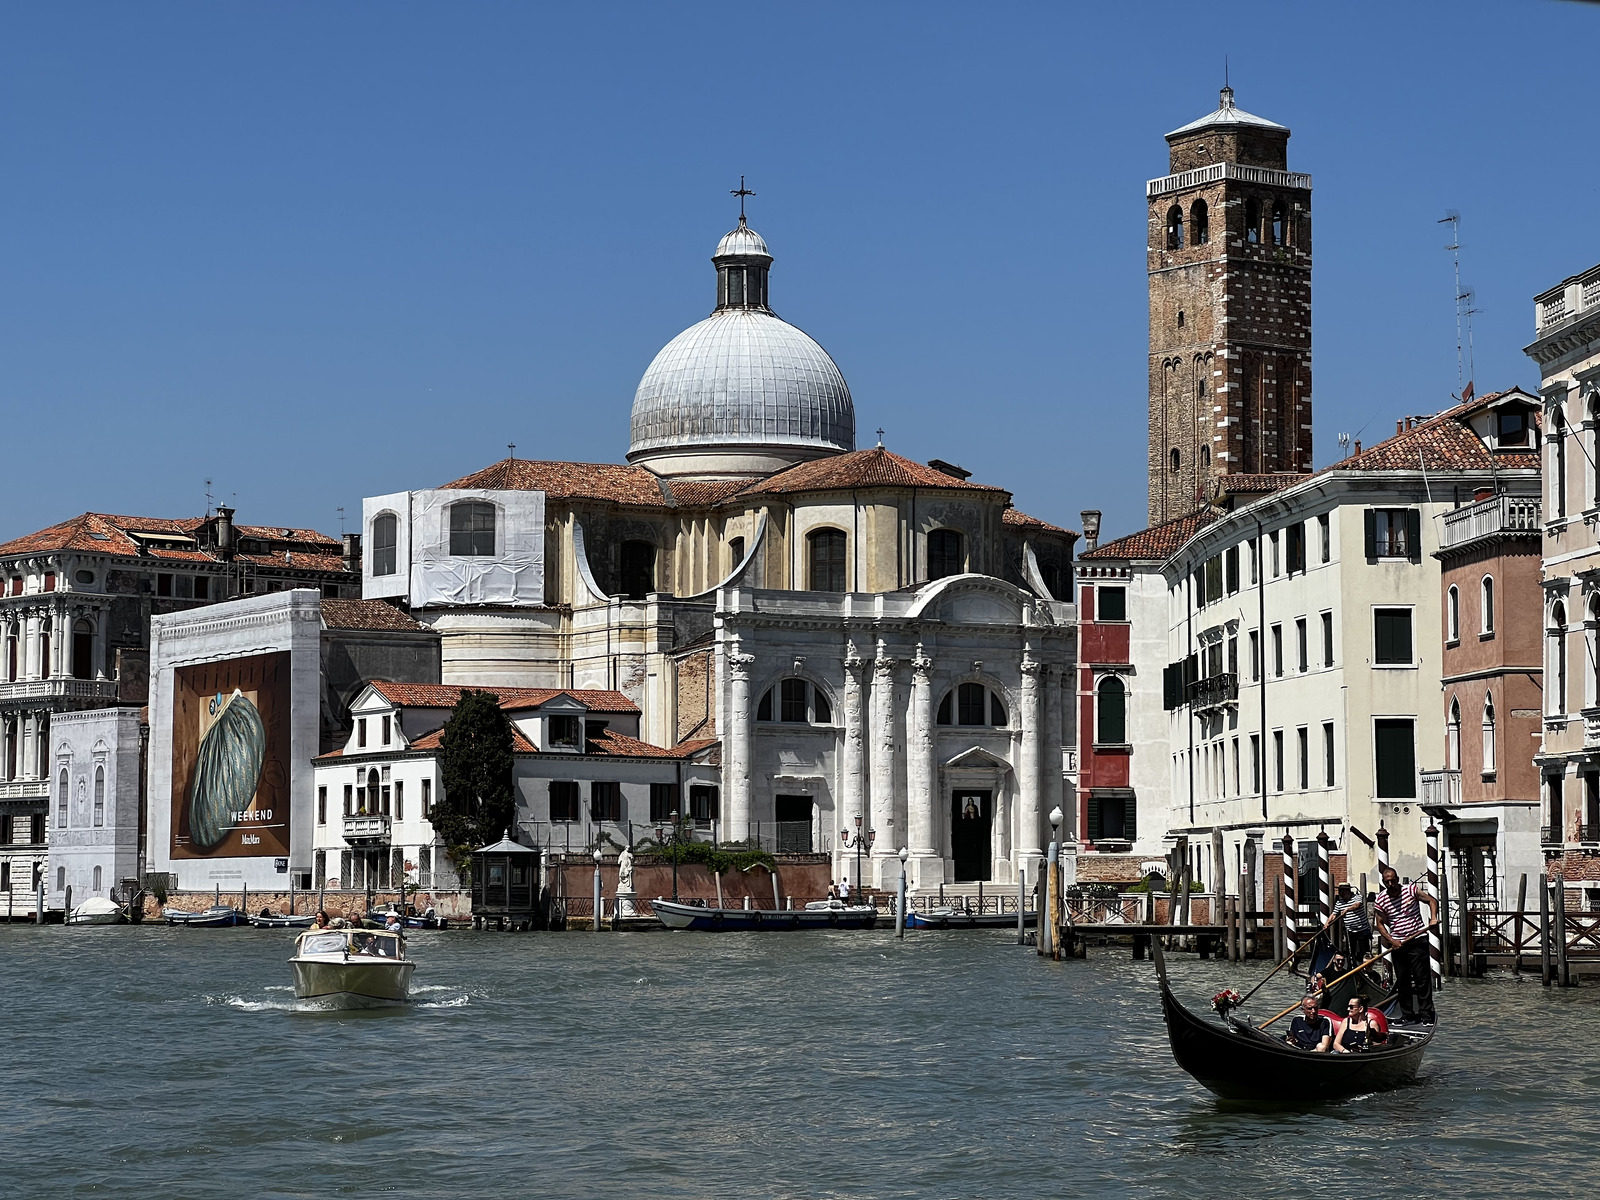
x=230, y=758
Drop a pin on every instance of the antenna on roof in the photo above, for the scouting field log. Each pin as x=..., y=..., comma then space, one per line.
x=1225, y=82
x=341, y=520
x=1344, y=445
x=1469, y=298
x=1453, y=219
x=208, y=497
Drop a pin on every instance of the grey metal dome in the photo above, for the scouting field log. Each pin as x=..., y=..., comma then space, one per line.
x=742, y=378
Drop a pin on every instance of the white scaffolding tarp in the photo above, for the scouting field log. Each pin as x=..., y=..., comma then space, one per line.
x=512, y=574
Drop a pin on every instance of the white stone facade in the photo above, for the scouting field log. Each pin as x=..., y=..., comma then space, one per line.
x=95, y=778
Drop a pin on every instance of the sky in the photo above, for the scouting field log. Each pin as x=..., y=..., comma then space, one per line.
x=319, y=251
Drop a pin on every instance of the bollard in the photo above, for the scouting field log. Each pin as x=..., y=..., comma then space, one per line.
x=1544, y=929
x=1435, y=943
x=1022, y=897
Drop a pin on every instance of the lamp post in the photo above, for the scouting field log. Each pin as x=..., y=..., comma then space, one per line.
x=597, y=857
x=674, y=856
x=868, y=838
x=900, y=906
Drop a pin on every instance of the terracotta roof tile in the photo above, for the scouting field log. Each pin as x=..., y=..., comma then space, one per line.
x=1022, y=520
x=446, y=695
x=702, y=493
x=107, y=533
x=298, y=560
x=1156, y=542
x=1236, y=484
x=1443, y=442
x=285, y=533
x=366, y=614
x=875, y=467
x=612, y=744
x=571, y=481
x=430, y=741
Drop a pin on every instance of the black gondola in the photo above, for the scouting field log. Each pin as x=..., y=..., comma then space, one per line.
x=1239, y=1062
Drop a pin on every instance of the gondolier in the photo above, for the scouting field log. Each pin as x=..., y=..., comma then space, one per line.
x=1352, y=913
x=1401, y=927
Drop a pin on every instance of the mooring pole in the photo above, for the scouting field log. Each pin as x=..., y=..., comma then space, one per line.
x=900, y=904
x=1562, y=976
x=1522, y=908
x=1291, y=899
x=1544, y=929
x=1435, y=941
x=1022, y=896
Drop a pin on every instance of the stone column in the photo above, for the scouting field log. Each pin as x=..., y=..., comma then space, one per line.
x=881, y=797
x=28, y=728
x=737, y=768
x=921, y=778
x=854, y=760
x=30, y=646
x=1053, y=791
x=1028, y=847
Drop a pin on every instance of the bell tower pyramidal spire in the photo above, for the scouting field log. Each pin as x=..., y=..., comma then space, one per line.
x=1230, y=309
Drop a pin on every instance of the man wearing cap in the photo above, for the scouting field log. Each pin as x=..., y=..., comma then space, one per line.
x=1351, y=912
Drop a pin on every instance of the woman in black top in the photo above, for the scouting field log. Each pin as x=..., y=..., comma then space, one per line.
x=1353, y=1030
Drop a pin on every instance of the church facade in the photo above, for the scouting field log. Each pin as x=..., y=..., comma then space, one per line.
x=881, y=648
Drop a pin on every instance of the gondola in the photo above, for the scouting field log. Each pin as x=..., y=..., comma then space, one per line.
x=1239, y=1062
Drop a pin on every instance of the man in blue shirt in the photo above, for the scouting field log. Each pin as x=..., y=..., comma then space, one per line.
x=1310, y=1030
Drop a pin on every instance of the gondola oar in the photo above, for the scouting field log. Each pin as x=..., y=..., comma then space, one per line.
x=1347, y=974
x=1312, y=941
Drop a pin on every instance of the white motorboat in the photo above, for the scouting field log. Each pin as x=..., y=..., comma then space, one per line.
x=97, y=910
x=352, y=968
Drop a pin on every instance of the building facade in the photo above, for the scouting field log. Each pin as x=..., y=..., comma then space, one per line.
x=97, y=763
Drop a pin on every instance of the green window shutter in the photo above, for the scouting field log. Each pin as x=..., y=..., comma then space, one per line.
x=1371, y=523
x=1094, y=818
x=1130, y=825
x=1414, y=533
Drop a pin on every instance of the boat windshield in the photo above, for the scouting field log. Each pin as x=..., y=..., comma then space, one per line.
x=322, y=943
x=378, y=945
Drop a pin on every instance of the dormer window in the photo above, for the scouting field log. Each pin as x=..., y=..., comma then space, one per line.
x=1511, y=427
x=565, y=732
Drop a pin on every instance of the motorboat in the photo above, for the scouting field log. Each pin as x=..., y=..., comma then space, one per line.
x=218, y=916
x=97, y=910
x=411, y=919
x=819, y=914
x=960, y=918
x=273, y=921
x=352, y=968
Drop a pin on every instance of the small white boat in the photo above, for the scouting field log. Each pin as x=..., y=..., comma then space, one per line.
x=352, y=968
x=97, y=910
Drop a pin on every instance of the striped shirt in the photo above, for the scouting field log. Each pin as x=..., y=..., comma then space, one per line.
x=1353, y=914
x=1403, y=916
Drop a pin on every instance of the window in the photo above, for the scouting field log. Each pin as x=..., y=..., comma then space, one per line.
x=1255, y=561
x=1303, y=739
x=385, y=535
x=399, y=799
x=968, y=703
x=1327, y=639
x=1555, y=808
x=563, y=800
x=1199, y=223
x=1111, y=604
x=1277, y=759
x=1272, y=539
x=98, y=878
x=1556, y=660
x=61, y=800
x=202, y=587
x=1325, y=536
x=1213, y=573
x=163, y=584
x=605, y=801
x=1295, y=543
x=1280, y=228
x=945, y=554
x=1300, y=643
x=638, y=569
x=427, y=797
x=1112, y=818
x=794, y=707
x=1233, y=654
x=1394, y=749
x=1488, y=734
x=1452, y=615
x=1111, y=716
x=322, y=806
x=795, y=700
x=361, y=733
x=1255, y=656
x=1486, y=606
x=564, y=732
x=1255, y=764
x=704, y=803
x=472, y=529
x=49, y=581
x=82, y=650
x=1175, y=228
x=349, y=800
x=1327, y=754
x=1205, y=457
x=1277, y=651
x=735, y=552
x=1392, y=637
x=99, y=796
x=1173, y=461
x=1230, y=569
x=827, y=547
x=1558, y=474
x=1511, y=427
x=1252, y=220
x=61, y=879
x=388, y=726
x=1394, y=533
x=663, y=802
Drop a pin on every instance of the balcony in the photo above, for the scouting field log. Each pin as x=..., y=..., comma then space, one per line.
x=1550, y=837
x=1494, y=517
x=1589, y=835
x=1214, y=691
x=1591, y=728
x=1226, y=170
x=1441, y=787
x=60, y=689
x=1572, y=297
x=367, y=831
x=26, y=789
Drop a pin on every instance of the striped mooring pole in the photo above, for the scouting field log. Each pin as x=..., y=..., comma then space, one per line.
x=1291, y=905
x=1324, y=879
x=1383, y=851
x=1435, y=947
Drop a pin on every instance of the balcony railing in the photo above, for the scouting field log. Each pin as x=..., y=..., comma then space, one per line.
x=367, y=831
x=1214, y=691
x=64, y=689
x=1575, y=295
x=1441, y=787
x=1226, y=170
x=1549, y=835
x=1589, y=834
x=25, y=789
x=1498, y=514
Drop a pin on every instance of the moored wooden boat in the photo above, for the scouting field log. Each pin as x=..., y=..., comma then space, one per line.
x=303, y=921
x=956, y=918
x=1239, y=1062
x=822, y=914
x=218, y=916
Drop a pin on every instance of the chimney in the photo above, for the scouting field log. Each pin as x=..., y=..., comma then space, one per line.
x=1091, y=528
x=1400, y=425
x=352, y=553
x=225, y=532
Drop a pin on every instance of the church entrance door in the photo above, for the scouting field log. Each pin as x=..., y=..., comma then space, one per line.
x=971, y=818
x=793, y=815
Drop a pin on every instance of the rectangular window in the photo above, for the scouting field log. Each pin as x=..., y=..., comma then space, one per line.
x=1198, y=589
x=1303, y=740
x=427, y=797
x=1272, y=539
x=1231, y=569
x=663, y=802
x=361, y=733
x=1323, y=535
x=1294, y=537
x=1300, y=644
x=1277, y=651
x=383, y=800
x=5, y=876
x=322, y=806
x=349, y=800
x=1111, y=604
x=1255, y=764
x=1391, y=628
x=387, y=727
x=1394, y=533
x=704, y=804
x=49, y=581
x=202, y=587
x=1277, y=758
x=1395, y=751
x=399, y=800
x=1255, y=656
x=563, y=800
x=1255, y=562
x=605, y=801
x=1238, y=779
x=792, y=700
x=1327, y=754
x=163, y=584
x=1327, y=639
x=1233, y=654
x=472, y=529
x=1111, y=819
x=1555, y=810
x=1213, y=579
x=564, y=732
x=185, y=587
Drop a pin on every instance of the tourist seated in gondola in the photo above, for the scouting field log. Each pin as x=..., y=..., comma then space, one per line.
x=1356, y=1030
x=1310, y=1030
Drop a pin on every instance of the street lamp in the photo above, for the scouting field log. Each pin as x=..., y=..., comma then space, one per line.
x=900, y=906
x=868, y=837
x=674, y=856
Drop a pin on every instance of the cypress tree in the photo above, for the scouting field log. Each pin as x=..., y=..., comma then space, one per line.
x=475, y=764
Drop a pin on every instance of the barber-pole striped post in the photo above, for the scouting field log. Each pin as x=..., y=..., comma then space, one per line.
x=1383, y=852
x=1291, y=905
x=1435, y=947
x=1324, y=878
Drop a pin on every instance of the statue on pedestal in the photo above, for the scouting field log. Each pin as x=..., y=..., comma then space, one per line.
x=625, y=892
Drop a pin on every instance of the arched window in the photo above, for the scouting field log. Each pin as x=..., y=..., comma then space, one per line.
x=1486, y=605
x=638, y=570
x=1199, y=223
x=385, y=537
x=1452, y=614
x=1280, y=228
x=1111, y=712
x=1488, y=733
x=827, y=552
x=945, y=553
x=97, y=880
x=735, y=552
x=971, y=704
x=1174, y=228
x=1556, y=663
x=1558, y=474
x=472, y=529
x=61, y=799
x=82, y=649
x=795, y=701
x=99, y=798
x=1452, y=741
x=1252, y=220
x=1173, y=461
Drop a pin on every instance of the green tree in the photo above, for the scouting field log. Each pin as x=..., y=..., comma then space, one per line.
x=475, y=763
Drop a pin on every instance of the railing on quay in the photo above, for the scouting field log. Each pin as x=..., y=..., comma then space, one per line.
x=583, y=837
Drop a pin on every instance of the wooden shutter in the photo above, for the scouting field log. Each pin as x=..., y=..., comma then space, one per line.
x=1371, y=519
x=1130, y=823
x=1414, y=533
x=1094, y=818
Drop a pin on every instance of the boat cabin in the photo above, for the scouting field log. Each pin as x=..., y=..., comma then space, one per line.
x=349, y=943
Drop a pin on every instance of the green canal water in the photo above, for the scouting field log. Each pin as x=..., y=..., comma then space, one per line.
x=175, y=1063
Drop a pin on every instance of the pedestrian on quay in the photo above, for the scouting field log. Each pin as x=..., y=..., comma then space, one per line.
x=1351, y=910
x=833, y=890
x=1399, y=909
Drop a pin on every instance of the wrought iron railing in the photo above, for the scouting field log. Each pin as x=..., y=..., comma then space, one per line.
x=1214, y=690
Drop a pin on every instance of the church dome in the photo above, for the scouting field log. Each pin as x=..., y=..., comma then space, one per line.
x=742, y=393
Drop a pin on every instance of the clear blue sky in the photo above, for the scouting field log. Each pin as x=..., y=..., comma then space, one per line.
x=320, y=251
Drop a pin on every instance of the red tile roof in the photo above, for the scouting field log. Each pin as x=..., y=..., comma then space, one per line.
x=107, y=533
x=873, y=468
x=296, y=560
x=366, y=614
x=702, y=493
x=446, y=695
x=1156, y=542
x=569, y=481
x=1238, y=484
x=1022, y=520
x=430, y=741
x=1443, y=442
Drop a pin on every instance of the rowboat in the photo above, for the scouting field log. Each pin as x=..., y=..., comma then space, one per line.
x=1237, y=1061
x=352, y=968
x=820, y=914
x=303, y=921
x=957, y=918
x=97, y=910
x=378, y=918
x=216, y=917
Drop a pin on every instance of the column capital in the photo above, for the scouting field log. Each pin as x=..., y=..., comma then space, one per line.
x=921, y=665
x=852, y=658
x=1031, y=666
x=882, y=664
x=739, y=664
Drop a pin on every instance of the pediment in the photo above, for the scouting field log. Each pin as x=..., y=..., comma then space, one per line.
x=563, y=704
x=977, y=758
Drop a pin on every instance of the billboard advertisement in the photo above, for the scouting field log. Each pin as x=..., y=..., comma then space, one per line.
x=230, y=758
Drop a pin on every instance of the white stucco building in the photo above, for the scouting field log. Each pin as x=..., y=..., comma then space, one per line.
x=94, y=839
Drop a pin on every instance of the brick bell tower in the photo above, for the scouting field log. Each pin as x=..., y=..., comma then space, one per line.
x=1230, y=309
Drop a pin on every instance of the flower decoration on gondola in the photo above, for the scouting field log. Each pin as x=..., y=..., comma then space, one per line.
x=1225, y=1000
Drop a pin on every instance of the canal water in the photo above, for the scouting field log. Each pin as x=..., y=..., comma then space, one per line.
x=176, y=1062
